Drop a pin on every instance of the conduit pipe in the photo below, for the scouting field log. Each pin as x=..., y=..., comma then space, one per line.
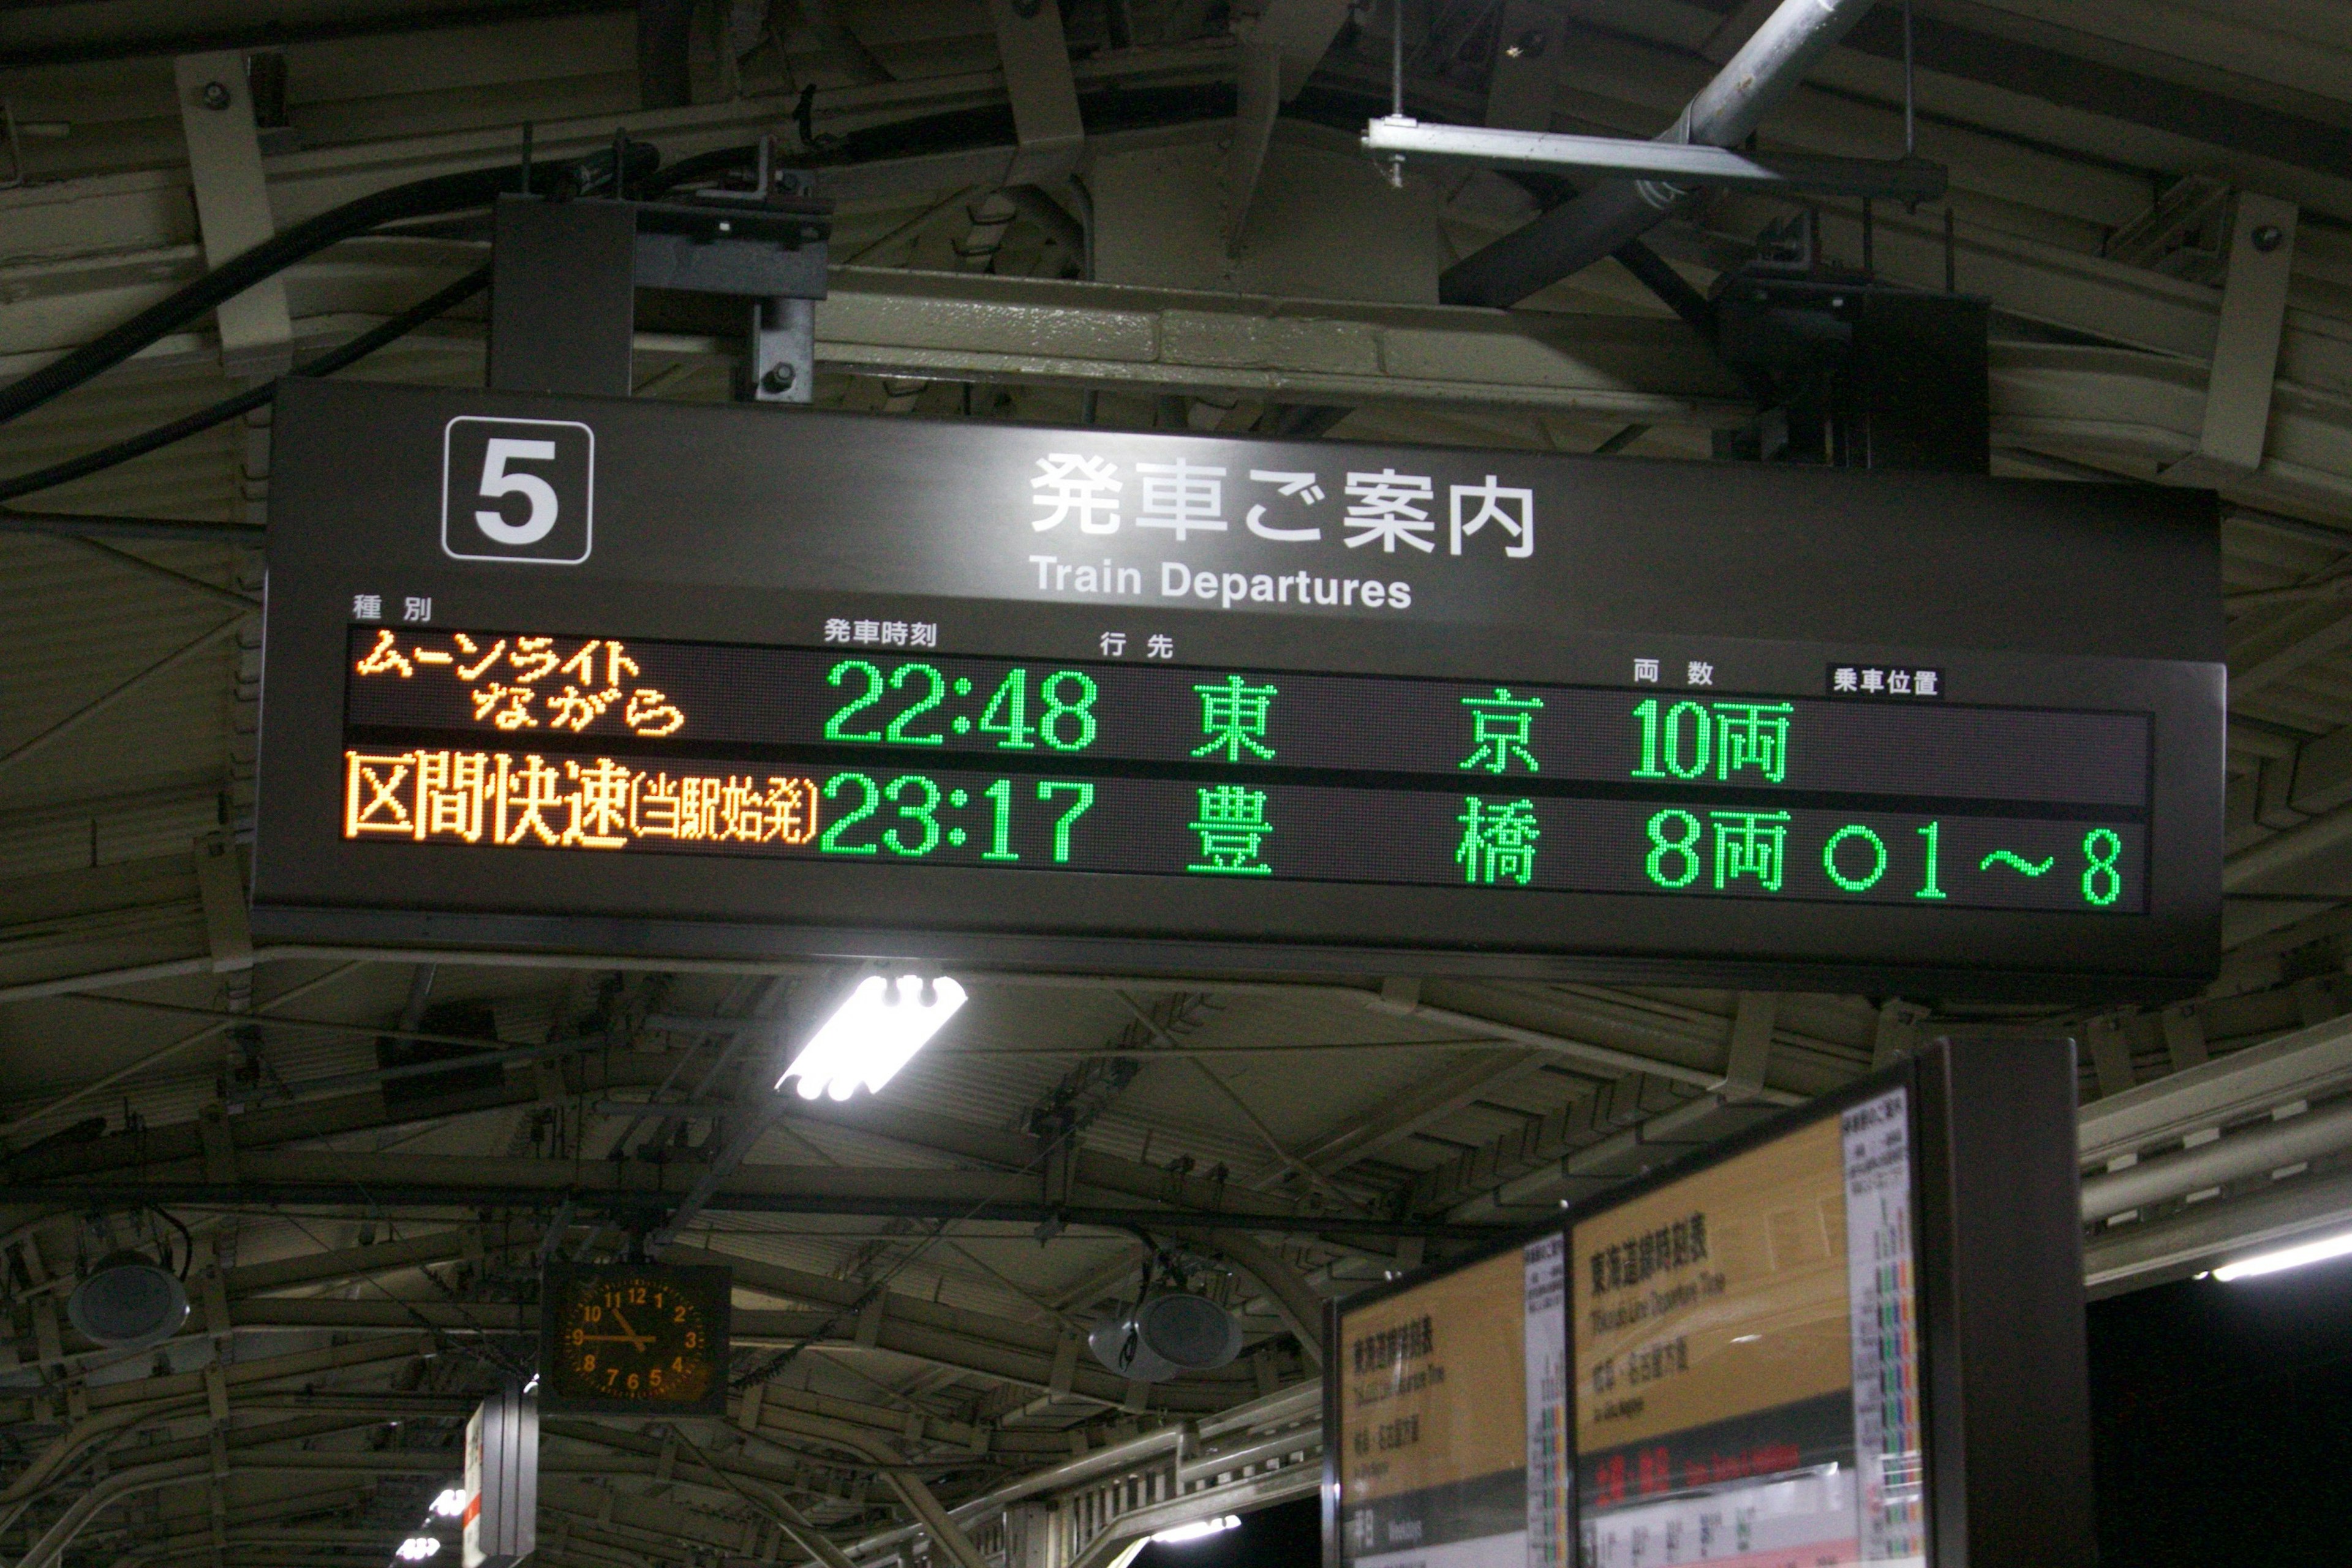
x=1288, y=1404
x=148, y=1478
x=1208, y=1467
x=1134, y=1452
x=112, y=1489
x=2229, y=1158
x=2291, y=847
x=1578, y=233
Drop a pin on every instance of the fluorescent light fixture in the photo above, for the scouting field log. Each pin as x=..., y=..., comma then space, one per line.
x=1201, y=1530
x=2262, y=1263
x=874, y=1033
x=450, y=1503
x=532, y=1386
x=417, y=1548
x=1744, y=1339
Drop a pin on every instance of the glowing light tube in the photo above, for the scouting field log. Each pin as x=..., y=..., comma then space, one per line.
x=1201, y=1530
x=874, y=1033
x=2262, y=1263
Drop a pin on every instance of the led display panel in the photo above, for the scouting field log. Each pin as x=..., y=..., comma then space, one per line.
x=831, y=686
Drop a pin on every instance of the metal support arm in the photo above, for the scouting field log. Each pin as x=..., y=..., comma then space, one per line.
x=1902, y=179
x=1575, y=234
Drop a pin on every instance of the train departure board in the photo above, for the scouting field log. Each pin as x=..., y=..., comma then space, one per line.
x=620, y=676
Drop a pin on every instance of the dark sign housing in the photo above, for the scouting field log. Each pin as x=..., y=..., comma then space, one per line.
x=674, y=681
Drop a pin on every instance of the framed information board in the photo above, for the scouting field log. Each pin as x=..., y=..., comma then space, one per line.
x=716, y=680
x=1449, y=1443
x=1834, y=1341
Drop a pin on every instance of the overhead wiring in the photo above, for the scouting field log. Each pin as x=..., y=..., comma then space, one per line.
x=228, y=408
x=418, y=198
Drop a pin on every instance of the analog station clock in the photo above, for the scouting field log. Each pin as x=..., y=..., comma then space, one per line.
x=643, y=1337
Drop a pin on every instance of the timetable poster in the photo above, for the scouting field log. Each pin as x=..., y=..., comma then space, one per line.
x=1453, y=1419
x=1746, y=1360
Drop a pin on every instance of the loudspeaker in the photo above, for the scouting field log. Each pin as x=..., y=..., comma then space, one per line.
x=1166, y=1335
x=128, y=1302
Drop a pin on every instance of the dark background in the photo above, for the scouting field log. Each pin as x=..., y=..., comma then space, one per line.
x=2222, y=1421
x=1287, y=1535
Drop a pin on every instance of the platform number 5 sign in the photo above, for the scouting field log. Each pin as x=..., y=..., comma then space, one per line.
x=518, y=490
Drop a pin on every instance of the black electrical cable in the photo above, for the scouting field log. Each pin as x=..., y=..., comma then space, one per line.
x=187, y=1242
x=419, y=198
x=228, y=409
x=701, y=166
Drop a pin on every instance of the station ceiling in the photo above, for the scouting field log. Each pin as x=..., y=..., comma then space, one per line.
x=384, y=1236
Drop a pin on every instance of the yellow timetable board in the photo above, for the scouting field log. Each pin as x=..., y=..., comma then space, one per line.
x=1453, y=1419
x=1745, y=1366
x=1846, y=1336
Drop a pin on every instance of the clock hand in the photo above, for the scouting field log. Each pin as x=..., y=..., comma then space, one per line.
x=636, y=1340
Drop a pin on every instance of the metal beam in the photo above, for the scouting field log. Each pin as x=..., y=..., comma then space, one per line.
x=2130, y=1256
x=2309, y=634
x=1903, y=180
x=1525, y=77
x=146, y=568
x=1578, y=233
x=345, y=1191
x=1608, y=1058
x=1012, y=1190
x=2242, y=1085
x=2079, y=80
x=347, y=1263
x=126, y=688
x=1623, y=1130
x=1116, y=338
x=2287, y=849
x=2246, y=351
x=1748, y=1054
x=947, y=1536
x=2264, y=1147
x=257, y=337
x=1257, y=85
x=96, y=526
x=1279, y=49
x=162, y=1054
x=1419, y=1104
x=1043, y=93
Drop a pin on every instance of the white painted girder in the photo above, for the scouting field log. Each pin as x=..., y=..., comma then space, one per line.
x=2069, y=399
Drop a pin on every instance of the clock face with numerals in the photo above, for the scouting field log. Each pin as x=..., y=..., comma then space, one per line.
x=633, y=1337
